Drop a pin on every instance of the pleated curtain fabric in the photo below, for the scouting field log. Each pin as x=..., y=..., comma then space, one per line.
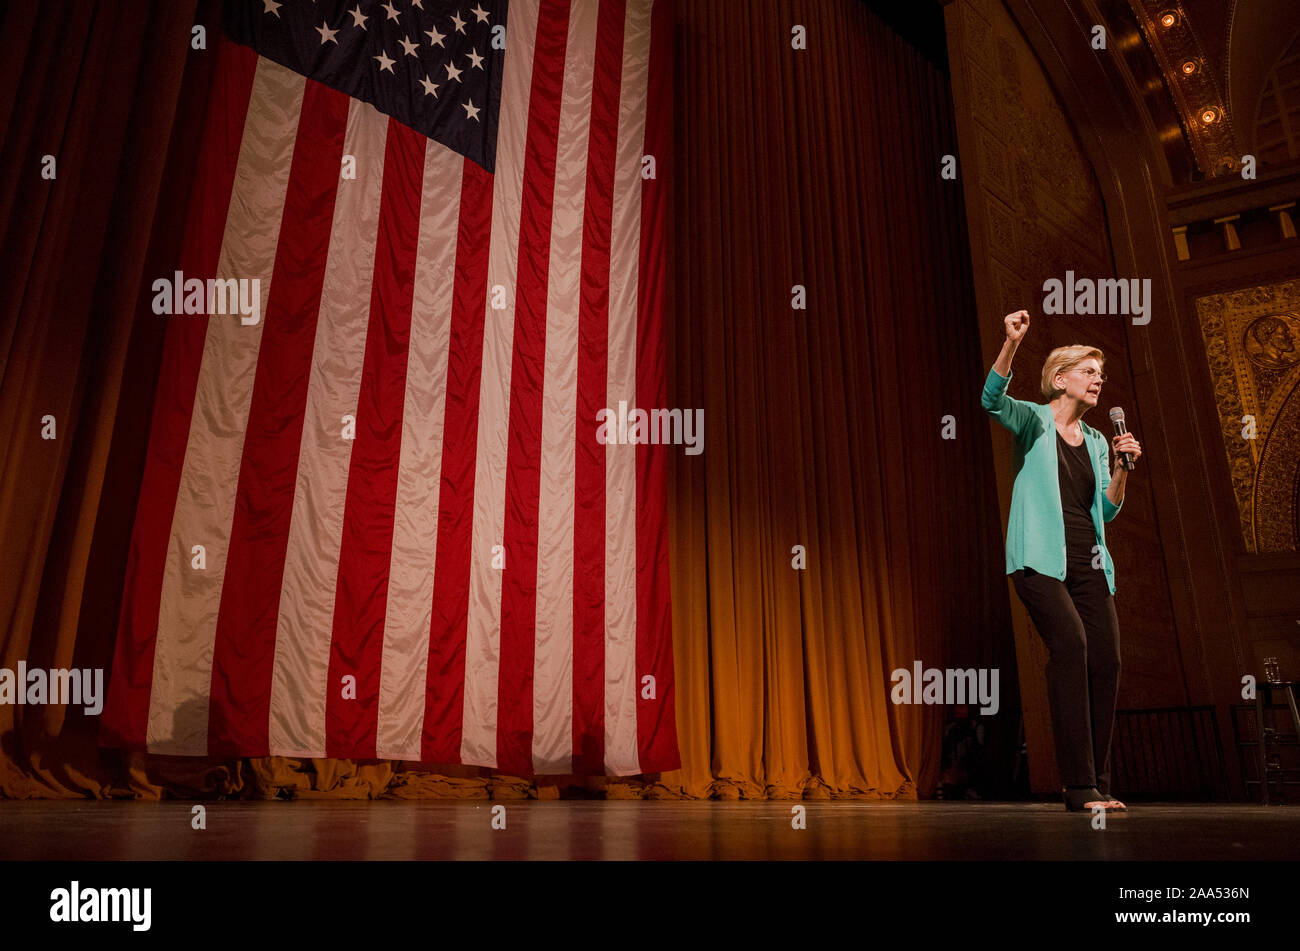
x=820, y=169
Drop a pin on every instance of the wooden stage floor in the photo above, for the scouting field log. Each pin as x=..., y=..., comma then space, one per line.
x=641, y=830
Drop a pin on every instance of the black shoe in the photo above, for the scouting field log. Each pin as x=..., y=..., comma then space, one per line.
x=1084, y=800
x=1117, y=807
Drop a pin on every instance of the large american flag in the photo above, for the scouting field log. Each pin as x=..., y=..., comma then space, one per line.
x=413, y=545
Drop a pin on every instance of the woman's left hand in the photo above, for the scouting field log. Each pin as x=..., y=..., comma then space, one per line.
x=1126, y=442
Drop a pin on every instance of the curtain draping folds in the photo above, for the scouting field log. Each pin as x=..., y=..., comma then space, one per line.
x=828, y=533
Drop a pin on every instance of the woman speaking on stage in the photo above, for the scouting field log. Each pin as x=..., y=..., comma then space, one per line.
x=1062, y=497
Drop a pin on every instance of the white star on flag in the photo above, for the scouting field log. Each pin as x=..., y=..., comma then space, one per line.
x=471, y=111
x=475, y=59
x=435, y=38
x=452, y=72
x=358, y=18
x=392, y=10
x=430, y=87
x=460, y=24
x=385, y=62
x=409, y=47
x=479, y=12
x=326, y=34
x=272, y=7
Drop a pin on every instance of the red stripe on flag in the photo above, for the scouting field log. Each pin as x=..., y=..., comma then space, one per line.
x=365, y=554
x=593, y=385
x=244, y=652
x=656, y=720
x=445, y=678
x=126, y=712
x=528, y=367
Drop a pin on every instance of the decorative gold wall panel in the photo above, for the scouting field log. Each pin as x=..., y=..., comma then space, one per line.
x=1252, y=344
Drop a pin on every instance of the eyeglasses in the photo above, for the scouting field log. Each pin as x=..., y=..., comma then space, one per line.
x=1091, y=372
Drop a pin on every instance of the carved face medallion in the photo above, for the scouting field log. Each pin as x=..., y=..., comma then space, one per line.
x=1273, y=342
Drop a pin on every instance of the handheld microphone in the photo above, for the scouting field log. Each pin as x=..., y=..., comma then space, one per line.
x=1117, y=418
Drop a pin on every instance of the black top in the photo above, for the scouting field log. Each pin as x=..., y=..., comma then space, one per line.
x=1078, y=487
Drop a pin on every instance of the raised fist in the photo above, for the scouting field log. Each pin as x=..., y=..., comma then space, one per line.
x=1016, y=325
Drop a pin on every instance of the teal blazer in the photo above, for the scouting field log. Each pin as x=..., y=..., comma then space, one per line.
x=1036, y=528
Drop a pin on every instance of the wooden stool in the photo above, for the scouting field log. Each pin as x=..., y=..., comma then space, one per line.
x=1265, y=689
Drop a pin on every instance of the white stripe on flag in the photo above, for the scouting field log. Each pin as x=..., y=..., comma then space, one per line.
x=307, y=594
x=621, y=754
x=483, y=633
x=205, y=500
x=408, y=619
x=553, y=659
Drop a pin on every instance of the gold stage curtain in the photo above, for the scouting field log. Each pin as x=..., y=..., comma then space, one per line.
x=821, y=168
x=109, y=90
x=818, y=167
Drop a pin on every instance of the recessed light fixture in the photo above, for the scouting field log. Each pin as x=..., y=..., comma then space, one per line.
x=1189, y=67
x=1208, y=116
x=1168, y=19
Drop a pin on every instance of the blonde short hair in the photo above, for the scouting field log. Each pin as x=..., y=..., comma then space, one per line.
x=1063, y=360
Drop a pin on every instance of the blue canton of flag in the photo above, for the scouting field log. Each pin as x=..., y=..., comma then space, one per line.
x=430, y=64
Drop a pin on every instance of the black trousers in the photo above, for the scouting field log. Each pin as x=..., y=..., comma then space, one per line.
x=1076, y=620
